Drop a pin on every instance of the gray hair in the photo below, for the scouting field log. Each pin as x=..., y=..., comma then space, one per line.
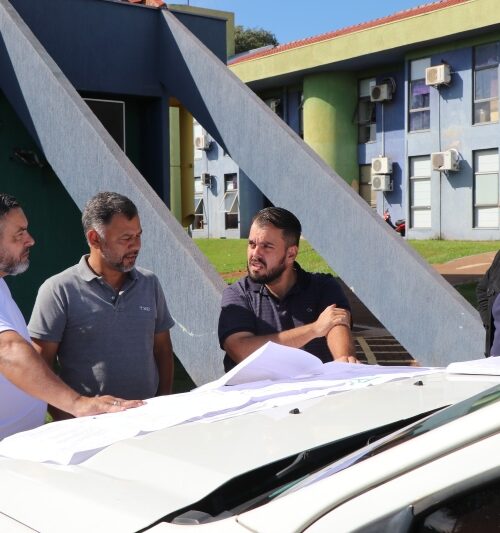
x=7, y=203
x=101, y=208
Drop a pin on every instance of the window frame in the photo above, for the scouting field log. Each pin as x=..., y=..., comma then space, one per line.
x=418, y=178
x=476, y=101
x=414, y=111
x=476, y=172
x=231, y=219
x=371, y=122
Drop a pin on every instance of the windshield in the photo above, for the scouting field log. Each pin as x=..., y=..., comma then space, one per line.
x=434, y=421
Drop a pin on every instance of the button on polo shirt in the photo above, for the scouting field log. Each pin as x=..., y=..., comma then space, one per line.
x=105, y=337
x=250, y=306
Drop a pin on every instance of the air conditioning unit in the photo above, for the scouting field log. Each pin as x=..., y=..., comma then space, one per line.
x=381, y=93
x=444, y=161
x=381, y=165
x=206, y=179
x=438, y=75
x=202, y=142
x=381, y=182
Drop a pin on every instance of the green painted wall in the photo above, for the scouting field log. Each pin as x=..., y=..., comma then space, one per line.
x=54, y=219
x=329, y=106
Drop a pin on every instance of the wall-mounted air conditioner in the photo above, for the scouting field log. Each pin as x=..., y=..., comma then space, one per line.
x=206, y=179
x=381, y=165
x=382, y=92
x=381, y=182
x=202, y=142
x=445, y=161
x=438, y=75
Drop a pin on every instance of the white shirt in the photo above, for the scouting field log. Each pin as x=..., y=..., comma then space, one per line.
x=18, y=411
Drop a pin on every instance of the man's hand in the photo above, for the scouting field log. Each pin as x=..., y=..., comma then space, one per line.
x=347, y=359
x=332, y=316
x=85, y=406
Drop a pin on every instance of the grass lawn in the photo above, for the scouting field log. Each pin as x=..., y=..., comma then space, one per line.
x=443, y=251
x=228, y=255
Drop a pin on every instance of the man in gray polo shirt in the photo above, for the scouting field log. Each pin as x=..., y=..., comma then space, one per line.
x=104, y=319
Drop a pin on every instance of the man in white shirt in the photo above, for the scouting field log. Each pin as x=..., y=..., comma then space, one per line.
x=26, y=381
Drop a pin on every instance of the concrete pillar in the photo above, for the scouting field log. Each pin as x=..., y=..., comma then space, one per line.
x=187, y=166
x=329, y=129
x=175, y=164
x=181, y=163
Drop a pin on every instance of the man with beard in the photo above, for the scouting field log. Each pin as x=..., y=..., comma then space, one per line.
x=278, y=301
x=26, y=382
x=104, y=319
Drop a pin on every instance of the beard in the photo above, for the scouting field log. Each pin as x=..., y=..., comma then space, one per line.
x=12, y=266
x=271, y=275
x=118, y=263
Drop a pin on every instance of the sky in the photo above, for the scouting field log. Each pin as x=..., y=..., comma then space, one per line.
x=290, y=20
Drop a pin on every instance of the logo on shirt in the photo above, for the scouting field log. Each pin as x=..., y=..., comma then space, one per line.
x=144, y=308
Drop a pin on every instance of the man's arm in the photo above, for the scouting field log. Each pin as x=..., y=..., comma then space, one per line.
x=240, y=345
x=164, y=358
x=341, y=344
x=27, y=370
x=47, y=349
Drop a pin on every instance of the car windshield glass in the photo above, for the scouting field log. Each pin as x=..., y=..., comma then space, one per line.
x=418, y=428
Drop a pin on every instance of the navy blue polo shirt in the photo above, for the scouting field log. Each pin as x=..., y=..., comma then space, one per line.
x=250, y=306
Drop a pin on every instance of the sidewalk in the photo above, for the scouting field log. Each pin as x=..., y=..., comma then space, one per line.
x=374, y=344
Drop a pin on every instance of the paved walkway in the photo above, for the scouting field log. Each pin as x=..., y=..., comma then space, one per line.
x=374, y=344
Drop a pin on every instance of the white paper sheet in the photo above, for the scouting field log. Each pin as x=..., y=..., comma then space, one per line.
x=487, y=366
x=284, y=376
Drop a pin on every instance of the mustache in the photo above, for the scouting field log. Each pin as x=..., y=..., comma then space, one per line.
x=257, y=261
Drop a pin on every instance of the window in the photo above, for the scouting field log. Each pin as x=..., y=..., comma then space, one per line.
x=111, y=113
x=197, y=132
x=367, y=125
x=486, y=189
x=486, y=59
x=477, y=510
x=275, y=105
x=420, y=192
x=365, y=185
x=231, y=201
x=199, y=205
x=419, y=104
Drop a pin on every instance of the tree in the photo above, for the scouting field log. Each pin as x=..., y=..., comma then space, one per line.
x=250, y=38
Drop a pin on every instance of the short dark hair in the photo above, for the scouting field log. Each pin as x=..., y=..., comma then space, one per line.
x=7, y=202
x=283, y=220
x=101, y=208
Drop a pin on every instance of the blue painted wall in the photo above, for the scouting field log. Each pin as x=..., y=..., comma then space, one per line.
x=451, y=112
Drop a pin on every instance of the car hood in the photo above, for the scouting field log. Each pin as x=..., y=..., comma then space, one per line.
x=135, y=482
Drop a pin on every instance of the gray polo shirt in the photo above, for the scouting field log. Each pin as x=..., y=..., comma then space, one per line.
x=105, y=337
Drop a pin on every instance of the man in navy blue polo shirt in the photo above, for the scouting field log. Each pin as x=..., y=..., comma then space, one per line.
x=278, y=301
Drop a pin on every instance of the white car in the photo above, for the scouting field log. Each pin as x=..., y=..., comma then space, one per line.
x=417, y=454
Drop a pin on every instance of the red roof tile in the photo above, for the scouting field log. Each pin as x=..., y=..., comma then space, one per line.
x=152, y=3
x=400, y=15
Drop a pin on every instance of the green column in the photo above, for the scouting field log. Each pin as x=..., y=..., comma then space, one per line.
x=329, y=127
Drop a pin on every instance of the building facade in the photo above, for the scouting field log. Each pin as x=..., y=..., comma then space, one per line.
x=404, y=108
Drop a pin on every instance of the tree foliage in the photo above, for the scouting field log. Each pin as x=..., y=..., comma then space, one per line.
x=251, y=38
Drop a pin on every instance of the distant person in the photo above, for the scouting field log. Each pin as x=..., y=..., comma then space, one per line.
x=278, y=301
x=26, y=382
x=487, y=293
x=104, y=319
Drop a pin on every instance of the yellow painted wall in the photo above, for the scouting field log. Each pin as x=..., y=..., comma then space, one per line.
x=329, y=104
x=415, y=29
